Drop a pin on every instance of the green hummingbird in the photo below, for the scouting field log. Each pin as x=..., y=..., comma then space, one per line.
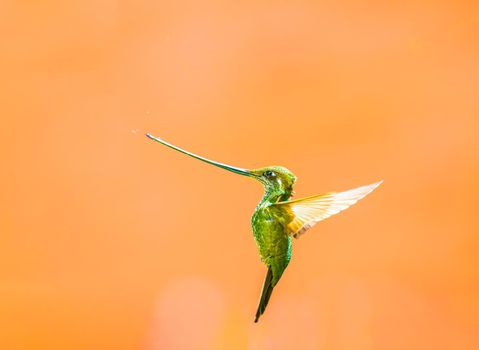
x=276, y=219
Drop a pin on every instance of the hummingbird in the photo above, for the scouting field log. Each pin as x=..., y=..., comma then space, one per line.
x=277, y=219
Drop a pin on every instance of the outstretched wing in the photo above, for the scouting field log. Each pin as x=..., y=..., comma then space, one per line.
x=306, y=212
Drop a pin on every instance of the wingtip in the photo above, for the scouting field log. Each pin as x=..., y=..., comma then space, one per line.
x=374, y=185
x=367, y=189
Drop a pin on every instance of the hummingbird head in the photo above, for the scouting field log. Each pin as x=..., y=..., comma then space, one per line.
x=276, y=178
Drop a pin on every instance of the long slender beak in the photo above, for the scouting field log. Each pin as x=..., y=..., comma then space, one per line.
x=220, y=165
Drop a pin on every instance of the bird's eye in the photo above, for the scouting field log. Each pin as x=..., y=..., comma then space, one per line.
x=269, y=173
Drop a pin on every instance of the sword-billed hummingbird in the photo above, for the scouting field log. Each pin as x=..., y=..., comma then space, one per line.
x=277, y=219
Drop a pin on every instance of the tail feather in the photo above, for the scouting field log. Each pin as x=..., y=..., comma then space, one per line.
x=265, y=293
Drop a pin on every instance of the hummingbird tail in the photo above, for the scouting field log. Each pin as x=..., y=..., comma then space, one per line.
x=265, y=293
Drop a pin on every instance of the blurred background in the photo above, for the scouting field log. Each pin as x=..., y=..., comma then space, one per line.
x=111, y=241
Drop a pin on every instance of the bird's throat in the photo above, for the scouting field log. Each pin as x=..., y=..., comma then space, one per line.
x=275, y=195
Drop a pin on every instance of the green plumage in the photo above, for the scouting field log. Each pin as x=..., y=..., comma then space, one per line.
x=277, y=219
x=274, y=244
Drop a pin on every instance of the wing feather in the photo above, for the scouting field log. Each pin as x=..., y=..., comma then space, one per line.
x=310, y=210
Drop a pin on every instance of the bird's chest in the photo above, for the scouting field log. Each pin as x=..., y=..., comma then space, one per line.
x=270, y=234
x=268, y=226
x=263, y=218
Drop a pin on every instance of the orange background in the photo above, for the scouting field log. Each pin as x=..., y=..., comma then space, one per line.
x=111, y=241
